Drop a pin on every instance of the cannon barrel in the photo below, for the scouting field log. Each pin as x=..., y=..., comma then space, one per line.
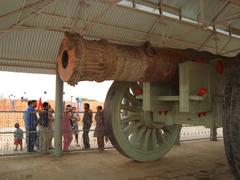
x=80, y=60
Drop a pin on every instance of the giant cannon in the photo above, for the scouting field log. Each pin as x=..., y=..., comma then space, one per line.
x=155, y=91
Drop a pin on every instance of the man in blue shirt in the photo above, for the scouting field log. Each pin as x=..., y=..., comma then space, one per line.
x=25, y=120
x=31, y=118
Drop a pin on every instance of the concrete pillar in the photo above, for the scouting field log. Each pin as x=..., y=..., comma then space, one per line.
x=178, y=140
x=58, y=116
x=213, y=134
x=213, y=130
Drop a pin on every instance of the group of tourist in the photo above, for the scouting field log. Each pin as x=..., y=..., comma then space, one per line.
x=39, y=124
x=39, y=129
x=70, y=126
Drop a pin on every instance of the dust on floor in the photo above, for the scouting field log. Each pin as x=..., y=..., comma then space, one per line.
x=188, y=161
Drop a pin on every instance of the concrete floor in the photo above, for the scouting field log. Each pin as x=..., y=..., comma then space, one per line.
x=189, y=161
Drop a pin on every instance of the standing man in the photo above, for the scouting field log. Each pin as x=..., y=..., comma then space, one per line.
x=31, y=125
x=100, y=128
x=50, y=126
x=25, y=120
x=44, y=131
x=87, y=122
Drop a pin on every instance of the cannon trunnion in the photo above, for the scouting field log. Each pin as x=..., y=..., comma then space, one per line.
x=155, y=91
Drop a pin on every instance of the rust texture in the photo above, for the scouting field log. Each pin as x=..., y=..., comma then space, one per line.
x=81, y=60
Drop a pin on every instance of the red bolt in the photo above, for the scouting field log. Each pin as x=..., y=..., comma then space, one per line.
x=139, y=91
x=199, y=114
x=202, y=91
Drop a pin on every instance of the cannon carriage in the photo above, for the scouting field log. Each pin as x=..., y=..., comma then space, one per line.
x=155, y=91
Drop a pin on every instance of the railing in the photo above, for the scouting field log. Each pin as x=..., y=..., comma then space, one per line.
x=193, y=133
x=9, y=118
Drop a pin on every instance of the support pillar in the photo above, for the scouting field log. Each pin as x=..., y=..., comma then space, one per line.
x=213, y=130
x=178, y=140
x=213, y=134
x=58, y=116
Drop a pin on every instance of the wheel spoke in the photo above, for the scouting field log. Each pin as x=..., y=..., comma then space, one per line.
x=130, y=108
x=134, y=136
x=132, y=99
x=139, y=135
x=134, y=87
x=131, y=128
x=140, y=84
x=136, y=117
x=146, y=140
x=154, y=139
x=166, y=130
x=160, y=137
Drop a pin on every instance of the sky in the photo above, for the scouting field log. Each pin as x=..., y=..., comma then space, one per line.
x=32, y=86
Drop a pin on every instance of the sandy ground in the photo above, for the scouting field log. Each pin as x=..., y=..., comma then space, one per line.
x=188, y=161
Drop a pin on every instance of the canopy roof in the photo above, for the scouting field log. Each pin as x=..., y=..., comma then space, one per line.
x=31, y=30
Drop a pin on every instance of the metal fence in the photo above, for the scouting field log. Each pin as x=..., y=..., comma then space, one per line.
x=9, y=118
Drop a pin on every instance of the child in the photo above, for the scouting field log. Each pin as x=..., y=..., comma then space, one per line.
x=18, y=136
x=100, y=128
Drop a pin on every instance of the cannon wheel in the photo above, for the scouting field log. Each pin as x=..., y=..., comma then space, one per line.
x=127, y=130
x=231, y=123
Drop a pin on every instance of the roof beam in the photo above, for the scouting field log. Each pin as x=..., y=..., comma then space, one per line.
x=12, y=60
x=21, y=9
x=195, y=28
x=234, y=30
x=201, y=4
x=28, y=66
x=49, y=2
x=136, y=42
x=153, y=27
x=37, y=69
x=206, y=40
x=81, y=5
x=212, y=19
x=229, y=18
x=218, y=12
x=160, y=7
x=171, y=39
x=214, y=16
x=60, y=29
x=225, y=45
x=133, y=3
x=88, y=27
x=237, y=2
x=164, y=6
x=231, y=51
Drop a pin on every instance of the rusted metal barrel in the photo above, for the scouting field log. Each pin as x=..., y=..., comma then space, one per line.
x=80, y=60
